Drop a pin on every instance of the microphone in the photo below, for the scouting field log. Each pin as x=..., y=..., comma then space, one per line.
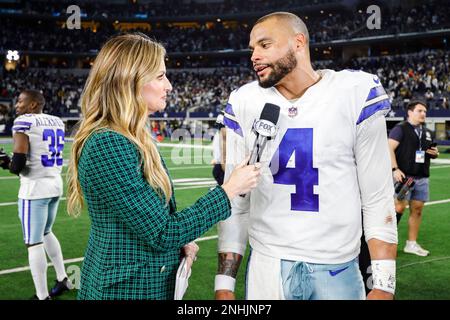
x=265, y=129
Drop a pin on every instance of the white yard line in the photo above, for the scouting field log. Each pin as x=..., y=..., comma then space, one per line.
x=179, y=167
x=422, y=262
x=440, y=161
x=191, y=186
x=188, y=168
x=188, y=146
x=200, y=183
x=21, y=269
x=437, y=202
x=439, y=167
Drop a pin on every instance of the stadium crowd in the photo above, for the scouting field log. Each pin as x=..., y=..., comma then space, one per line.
x=133, y=9
x=35, y=36
x=424, y=74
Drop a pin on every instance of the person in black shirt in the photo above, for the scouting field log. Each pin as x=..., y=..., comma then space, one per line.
x=411, y=147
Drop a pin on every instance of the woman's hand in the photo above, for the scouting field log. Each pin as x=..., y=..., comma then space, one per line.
x=190, y=252
x=243, y=179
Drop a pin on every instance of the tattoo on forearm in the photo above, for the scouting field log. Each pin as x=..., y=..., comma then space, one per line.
x=229, y=263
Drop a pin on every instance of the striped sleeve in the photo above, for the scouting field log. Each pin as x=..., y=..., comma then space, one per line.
x=23, y=124
x=377, y=101
x=373, y=162
x=230, y=120
x=233, y=233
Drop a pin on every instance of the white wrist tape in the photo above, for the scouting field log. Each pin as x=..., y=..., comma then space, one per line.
x=223, y=282
x=383, y=275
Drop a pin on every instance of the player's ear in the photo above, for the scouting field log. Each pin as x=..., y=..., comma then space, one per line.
x=34, y=106
x=300, y=41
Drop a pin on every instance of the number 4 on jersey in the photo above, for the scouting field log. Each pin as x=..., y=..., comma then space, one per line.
x=292, y=164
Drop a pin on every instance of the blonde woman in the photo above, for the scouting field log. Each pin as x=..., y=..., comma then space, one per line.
x=136, y=234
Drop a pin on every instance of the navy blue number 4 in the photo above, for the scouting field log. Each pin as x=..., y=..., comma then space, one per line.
x=55, y=147
x=301, y=173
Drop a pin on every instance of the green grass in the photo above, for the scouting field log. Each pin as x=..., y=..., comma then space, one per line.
x=418, y=277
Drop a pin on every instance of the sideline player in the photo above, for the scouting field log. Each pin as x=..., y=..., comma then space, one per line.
x=38, y=159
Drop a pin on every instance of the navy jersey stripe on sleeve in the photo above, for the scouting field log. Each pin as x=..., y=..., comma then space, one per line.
x=20, y=128
x=22, y=123
x=233, y=125
x=372, y=109
x=375, y=92
x=229, y=109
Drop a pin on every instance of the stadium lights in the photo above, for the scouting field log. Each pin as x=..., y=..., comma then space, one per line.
x=12, y=55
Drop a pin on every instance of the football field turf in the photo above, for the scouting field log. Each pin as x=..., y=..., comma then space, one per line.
x=417, y=277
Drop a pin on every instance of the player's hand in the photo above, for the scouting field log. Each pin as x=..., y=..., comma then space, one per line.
x=433, y=152
x=243, y=179
x=376, y=294
x=225, y=295
x=4, y=159
x=398, y=175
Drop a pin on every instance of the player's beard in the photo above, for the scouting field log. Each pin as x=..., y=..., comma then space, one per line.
x=280, y=69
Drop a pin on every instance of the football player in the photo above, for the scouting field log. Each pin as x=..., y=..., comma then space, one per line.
x=329, y=161
x=38, y=160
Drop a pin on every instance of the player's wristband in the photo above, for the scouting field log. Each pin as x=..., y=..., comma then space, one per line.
x=223, y=282
x=383, y=274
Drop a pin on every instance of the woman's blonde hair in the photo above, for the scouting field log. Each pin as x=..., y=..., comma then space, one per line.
x=112, y=100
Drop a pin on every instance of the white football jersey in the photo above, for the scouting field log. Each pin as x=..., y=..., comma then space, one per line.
x=41, y=177
x=328, y=163
x=217, y=153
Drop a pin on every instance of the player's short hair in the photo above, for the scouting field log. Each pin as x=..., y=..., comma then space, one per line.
x=35, y=96
x=413, y=103
x=297, y=24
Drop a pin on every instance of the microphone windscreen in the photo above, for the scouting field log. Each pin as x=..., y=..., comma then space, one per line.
x=270, y=112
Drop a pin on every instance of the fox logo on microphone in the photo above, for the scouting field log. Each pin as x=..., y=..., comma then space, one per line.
x=265, y=128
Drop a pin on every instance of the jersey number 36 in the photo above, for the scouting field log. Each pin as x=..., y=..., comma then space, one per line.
x=55, y=147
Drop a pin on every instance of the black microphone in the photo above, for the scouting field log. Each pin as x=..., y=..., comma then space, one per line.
x=265, y=129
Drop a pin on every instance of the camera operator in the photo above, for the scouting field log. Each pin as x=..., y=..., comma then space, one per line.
x=411, y=147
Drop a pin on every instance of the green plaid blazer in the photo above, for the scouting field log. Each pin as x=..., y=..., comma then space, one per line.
x=134, y=244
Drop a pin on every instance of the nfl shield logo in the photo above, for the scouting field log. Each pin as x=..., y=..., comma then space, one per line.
x=292, y=111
